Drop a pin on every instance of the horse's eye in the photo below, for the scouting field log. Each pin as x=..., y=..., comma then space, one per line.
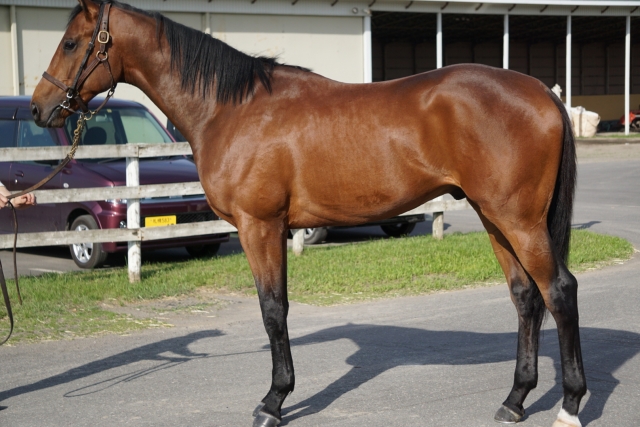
x=69, y=45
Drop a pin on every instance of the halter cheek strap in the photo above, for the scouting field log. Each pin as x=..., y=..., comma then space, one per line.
x=102, y=36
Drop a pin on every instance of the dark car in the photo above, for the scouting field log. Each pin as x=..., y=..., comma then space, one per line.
x=119, y=122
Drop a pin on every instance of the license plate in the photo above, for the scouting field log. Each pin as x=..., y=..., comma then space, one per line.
x=160, y=221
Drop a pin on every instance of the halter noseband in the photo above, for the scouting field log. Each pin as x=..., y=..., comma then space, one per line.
x=101, y=34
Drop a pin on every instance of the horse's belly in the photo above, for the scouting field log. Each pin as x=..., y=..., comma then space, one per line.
x=351, y=199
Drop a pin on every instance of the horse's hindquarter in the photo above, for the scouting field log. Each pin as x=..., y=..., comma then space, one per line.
x=322, y=152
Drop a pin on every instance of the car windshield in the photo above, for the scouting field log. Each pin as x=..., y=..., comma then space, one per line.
x=115, y=126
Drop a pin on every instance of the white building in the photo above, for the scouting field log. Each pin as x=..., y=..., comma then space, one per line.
x=360, y=41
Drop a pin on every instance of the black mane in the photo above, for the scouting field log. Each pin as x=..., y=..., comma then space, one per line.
x=205, y=63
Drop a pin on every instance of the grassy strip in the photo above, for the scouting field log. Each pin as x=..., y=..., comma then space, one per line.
x=67, y=305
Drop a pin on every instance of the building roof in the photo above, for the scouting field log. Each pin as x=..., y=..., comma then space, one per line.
x=364, y=7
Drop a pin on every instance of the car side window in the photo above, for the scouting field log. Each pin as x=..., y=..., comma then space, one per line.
x=7, y=133
x=141, y=128
x=31, y=135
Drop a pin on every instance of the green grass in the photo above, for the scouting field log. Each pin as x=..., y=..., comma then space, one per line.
x=70, y=304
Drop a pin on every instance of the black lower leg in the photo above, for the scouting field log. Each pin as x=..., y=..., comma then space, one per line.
x=274, y=314
x=565, y=311
x=531, y=309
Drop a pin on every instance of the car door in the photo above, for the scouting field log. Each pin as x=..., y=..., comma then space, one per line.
x=8, y=127
x=24, y=174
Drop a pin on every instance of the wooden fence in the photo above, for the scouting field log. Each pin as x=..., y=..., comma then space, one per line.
x=133, y=192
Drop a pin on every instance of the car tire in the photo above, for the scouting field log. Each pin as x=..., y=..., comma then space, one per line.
x=87, y=255
x=315, y=235
x=399, y=229
x=202, y=251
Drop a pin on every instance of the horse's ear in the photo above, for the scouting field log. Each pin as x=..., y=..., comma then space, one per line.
x=90, y=9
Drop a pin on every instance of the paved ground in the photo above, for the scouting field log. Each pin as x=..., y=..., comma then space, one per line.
x=437, y=360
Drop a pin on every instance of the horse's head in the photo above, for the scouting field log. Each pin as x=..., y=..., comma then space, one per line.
x=82, y=67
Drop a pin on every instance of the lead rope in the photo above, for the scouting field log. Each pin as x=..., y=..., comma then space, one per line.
x=77, y=133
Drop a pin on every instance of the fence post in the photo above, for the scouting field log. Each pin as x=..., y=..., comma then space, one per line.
x=298, y=241
x=133, y=219
x=437, y=226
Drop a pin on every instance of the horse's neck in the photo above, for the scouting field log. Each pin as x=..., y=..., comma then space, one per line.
x=163, y=88
x=149, y=69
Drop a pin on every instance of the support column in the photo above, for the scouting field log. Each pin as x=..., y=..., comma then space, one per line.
x=367, y=48
x=14, y=50
x=627, y=73
x=505, y=44
x=437, y=226
x=568, y=72
x=439, y=41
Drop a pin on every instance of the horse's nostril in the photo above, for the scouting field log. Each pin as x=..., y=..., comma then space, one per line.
x=35, y=111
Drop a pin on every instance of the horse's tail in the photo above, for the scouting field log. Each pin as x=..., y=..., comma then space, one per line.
x=561, y=209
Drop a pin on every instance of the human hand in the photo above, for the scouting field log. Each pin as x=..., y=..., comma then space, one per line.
x=3, y=201
x=24, y=201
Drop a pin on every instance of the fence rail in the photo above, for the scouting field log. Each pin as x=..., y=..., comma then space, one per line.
x=133, y=193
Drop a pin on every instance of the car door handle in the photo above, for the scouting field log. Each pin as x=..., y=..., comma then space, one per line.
x=20, y=174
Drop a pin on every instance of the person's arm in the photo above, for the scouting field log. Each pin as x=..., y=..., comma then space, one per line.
x=19, y=202
x=3, y=196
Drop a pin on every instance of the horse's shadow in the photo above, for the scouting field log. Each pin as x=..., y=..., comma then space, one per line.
x=584, y=225
x=170, y=352
x=381, y=348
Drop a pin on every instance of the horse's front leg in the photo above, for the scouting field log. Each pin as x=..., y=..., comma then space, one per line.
x=265, y=244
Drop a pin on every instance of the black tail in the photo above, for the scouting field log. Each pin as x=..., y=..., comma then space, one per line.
x=561, y=209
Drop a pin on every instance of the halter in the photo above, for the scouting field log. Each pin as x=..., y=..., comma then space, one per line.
x=102, y=36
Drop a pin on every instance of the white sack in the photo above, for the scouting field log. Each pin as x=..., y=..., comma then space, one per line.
x=585, y=123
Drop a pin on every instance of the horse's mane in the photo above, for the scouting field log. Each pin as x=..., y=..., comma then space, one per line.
x=205, y=63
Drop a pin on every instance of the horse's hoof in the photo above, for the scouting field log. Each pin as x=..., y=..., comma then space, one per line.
x=508, y=416
x=566, y=420
x=257, y=410
x=265, y=420
x=262, y=419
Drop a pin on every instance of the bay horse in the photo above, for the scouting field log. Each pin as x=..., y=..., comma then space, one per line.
x=278, y=147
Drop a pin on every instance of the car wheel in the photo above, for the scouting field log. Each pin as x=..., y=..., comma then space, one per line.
x=201, y=251
x=399, y=229
x=314, y=235
x=87, y=255
x=635, y=126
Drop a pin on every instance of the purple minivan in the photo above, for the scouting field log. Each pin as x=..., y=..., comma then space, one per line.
x=119, y=122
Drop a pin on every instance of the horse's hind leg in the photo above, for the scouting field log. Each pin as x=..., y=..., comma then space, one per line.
x=530, y=307
x=265, y=246
x=534, y=249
